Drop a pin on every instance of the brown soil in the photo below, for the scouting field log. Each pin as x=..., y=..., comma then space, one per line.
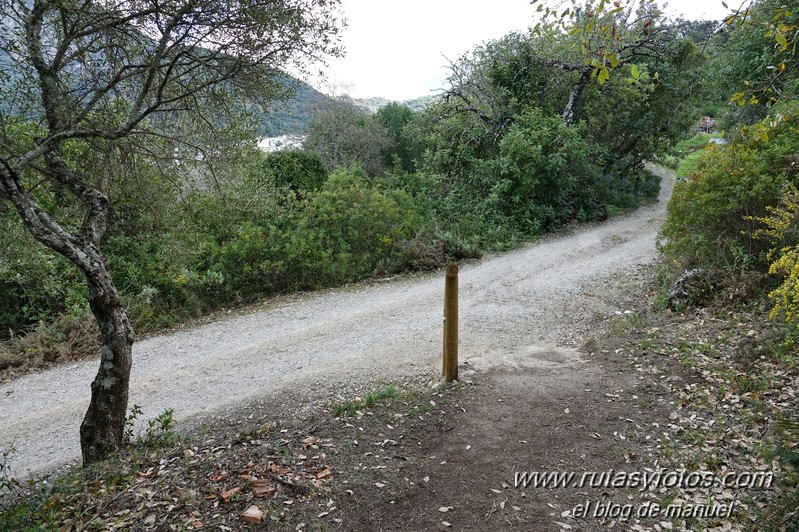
x=513, y=421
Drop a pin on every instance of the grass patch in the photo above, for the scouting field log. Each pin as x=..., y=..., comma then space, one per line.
x=697, y=142
x=351, y=408
x=688, y=163
x=625, y=322
x=688, y=152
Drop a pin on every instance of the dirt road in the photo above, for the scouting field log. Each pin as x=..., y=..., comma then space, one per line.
x=529, y=308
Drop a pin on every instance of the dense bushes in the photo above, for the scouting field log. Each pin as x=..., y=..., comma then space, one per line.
x=350, y=230
x=210, y=250
x=35, y=284
x=540, y=175
x=297, y=170
x=712, y=218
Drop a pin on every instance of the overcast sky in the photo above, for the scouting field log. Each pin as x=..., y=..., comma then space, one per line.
x=398, y=49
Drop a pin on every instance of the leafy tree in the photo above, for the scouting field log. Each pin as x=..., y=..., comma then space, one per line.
x=92, y=79
x=343, y=135
x=760, y=59
x=598, y=37
x=715, y=217
x=483, y=148
x=552, y=68
x=637, y=118
x=394, y=117
x=350, y=229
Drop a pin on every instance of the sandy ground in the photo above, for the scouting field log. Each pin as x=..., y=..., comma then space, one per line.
x=528, y=308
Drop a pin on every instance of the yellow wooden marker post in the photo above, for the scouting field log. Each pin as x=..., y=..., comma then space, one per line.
x=450, y=365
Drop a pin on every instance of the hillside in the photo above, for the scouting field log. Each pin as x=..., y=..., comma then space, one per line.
x=292, y=116
x=373, y=105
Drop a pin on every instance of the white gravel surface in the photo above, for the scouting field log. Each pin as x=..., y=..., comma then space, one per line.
x=527, y=307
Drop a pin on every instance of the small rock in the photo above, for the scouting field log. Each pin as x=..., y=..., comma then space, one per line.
x=691, y=288
x=751, y=334
x=253, y=515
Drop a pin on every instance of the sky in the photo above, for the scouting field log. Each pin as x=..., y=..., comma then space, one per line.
x=399, y=49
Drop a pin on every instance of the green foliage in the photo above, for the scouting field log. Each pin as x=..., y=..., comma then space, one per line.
x=781, y=229
x=691, y=144
x=13, y=515
x=36, y=285
x=710, y=217
x=130, y=422
x=399, y=155
x=759, y=61
x=540, y=174
x=349, y=230
x=343, y=135
x=688, y=164
x=7, y=482
x=544, y=174
x=158, y=433
x=298, y=170
x=351, y=408
x=491, y=164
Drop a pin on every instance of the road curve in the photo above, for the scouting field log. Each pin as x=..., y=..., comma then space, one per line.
x=513, y=309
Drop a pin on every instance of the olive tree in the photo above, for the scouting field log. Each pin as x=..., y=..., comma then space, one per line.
x=80, y=78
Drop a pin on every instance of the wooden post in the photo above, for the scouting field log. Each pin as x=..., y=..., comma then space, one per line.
x=450, y=365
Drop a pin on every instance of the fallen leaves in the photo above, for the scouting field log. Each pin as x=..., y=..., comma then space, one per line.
x=720, y=409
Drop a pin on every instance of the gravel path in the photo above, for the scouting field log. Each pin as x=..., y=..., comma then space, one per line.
x=528, y=307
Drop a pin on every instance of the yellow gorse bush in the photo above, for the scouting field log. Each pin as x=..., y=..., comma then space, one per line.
x=780, y=227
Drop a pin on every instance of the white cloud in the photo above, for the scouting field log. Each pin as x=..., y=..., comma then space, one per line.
x=399, y=49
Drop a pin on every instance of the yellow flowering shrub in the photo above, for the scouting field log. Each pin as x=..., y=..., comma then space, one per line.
x=782, y=227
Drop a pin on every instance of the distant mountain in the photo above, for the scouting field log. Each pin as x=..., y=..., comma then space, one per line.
x=370, y=105
x=422, y=102
x=291, y=117
x=373, y=105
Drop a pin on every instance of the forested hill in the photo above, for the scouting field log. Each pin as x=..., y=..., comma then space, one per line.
x=292, y=116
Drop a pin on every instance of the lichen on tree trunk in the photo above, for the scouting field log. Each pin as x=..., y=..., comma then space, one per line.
x=102, y=429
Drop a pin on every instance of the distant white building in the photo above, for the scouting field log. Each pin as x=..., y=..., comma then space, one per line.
x=284, y=142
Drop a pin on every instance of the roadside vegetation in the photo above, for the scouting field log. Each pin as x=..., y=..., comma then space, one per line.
x=526, y=138
x=524, y=141
x=734, y=215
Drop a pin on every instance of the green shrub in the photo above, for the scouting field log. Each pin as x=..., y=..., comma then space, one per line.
x=715, y=217
x=707, y=223
x=349, y=230
x=299, y=170
x=36, y=285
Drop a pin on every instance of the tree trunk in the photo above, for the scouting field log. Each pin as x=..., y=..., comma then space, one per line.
x=103, y=426
x=570, y=111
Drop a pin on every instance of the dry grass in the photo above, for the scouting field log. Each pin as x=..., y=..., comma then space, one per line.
x=66, y=340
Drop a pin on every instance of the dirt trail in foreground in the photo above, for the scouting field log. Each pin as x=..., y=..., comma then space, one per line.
x=527, y=308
